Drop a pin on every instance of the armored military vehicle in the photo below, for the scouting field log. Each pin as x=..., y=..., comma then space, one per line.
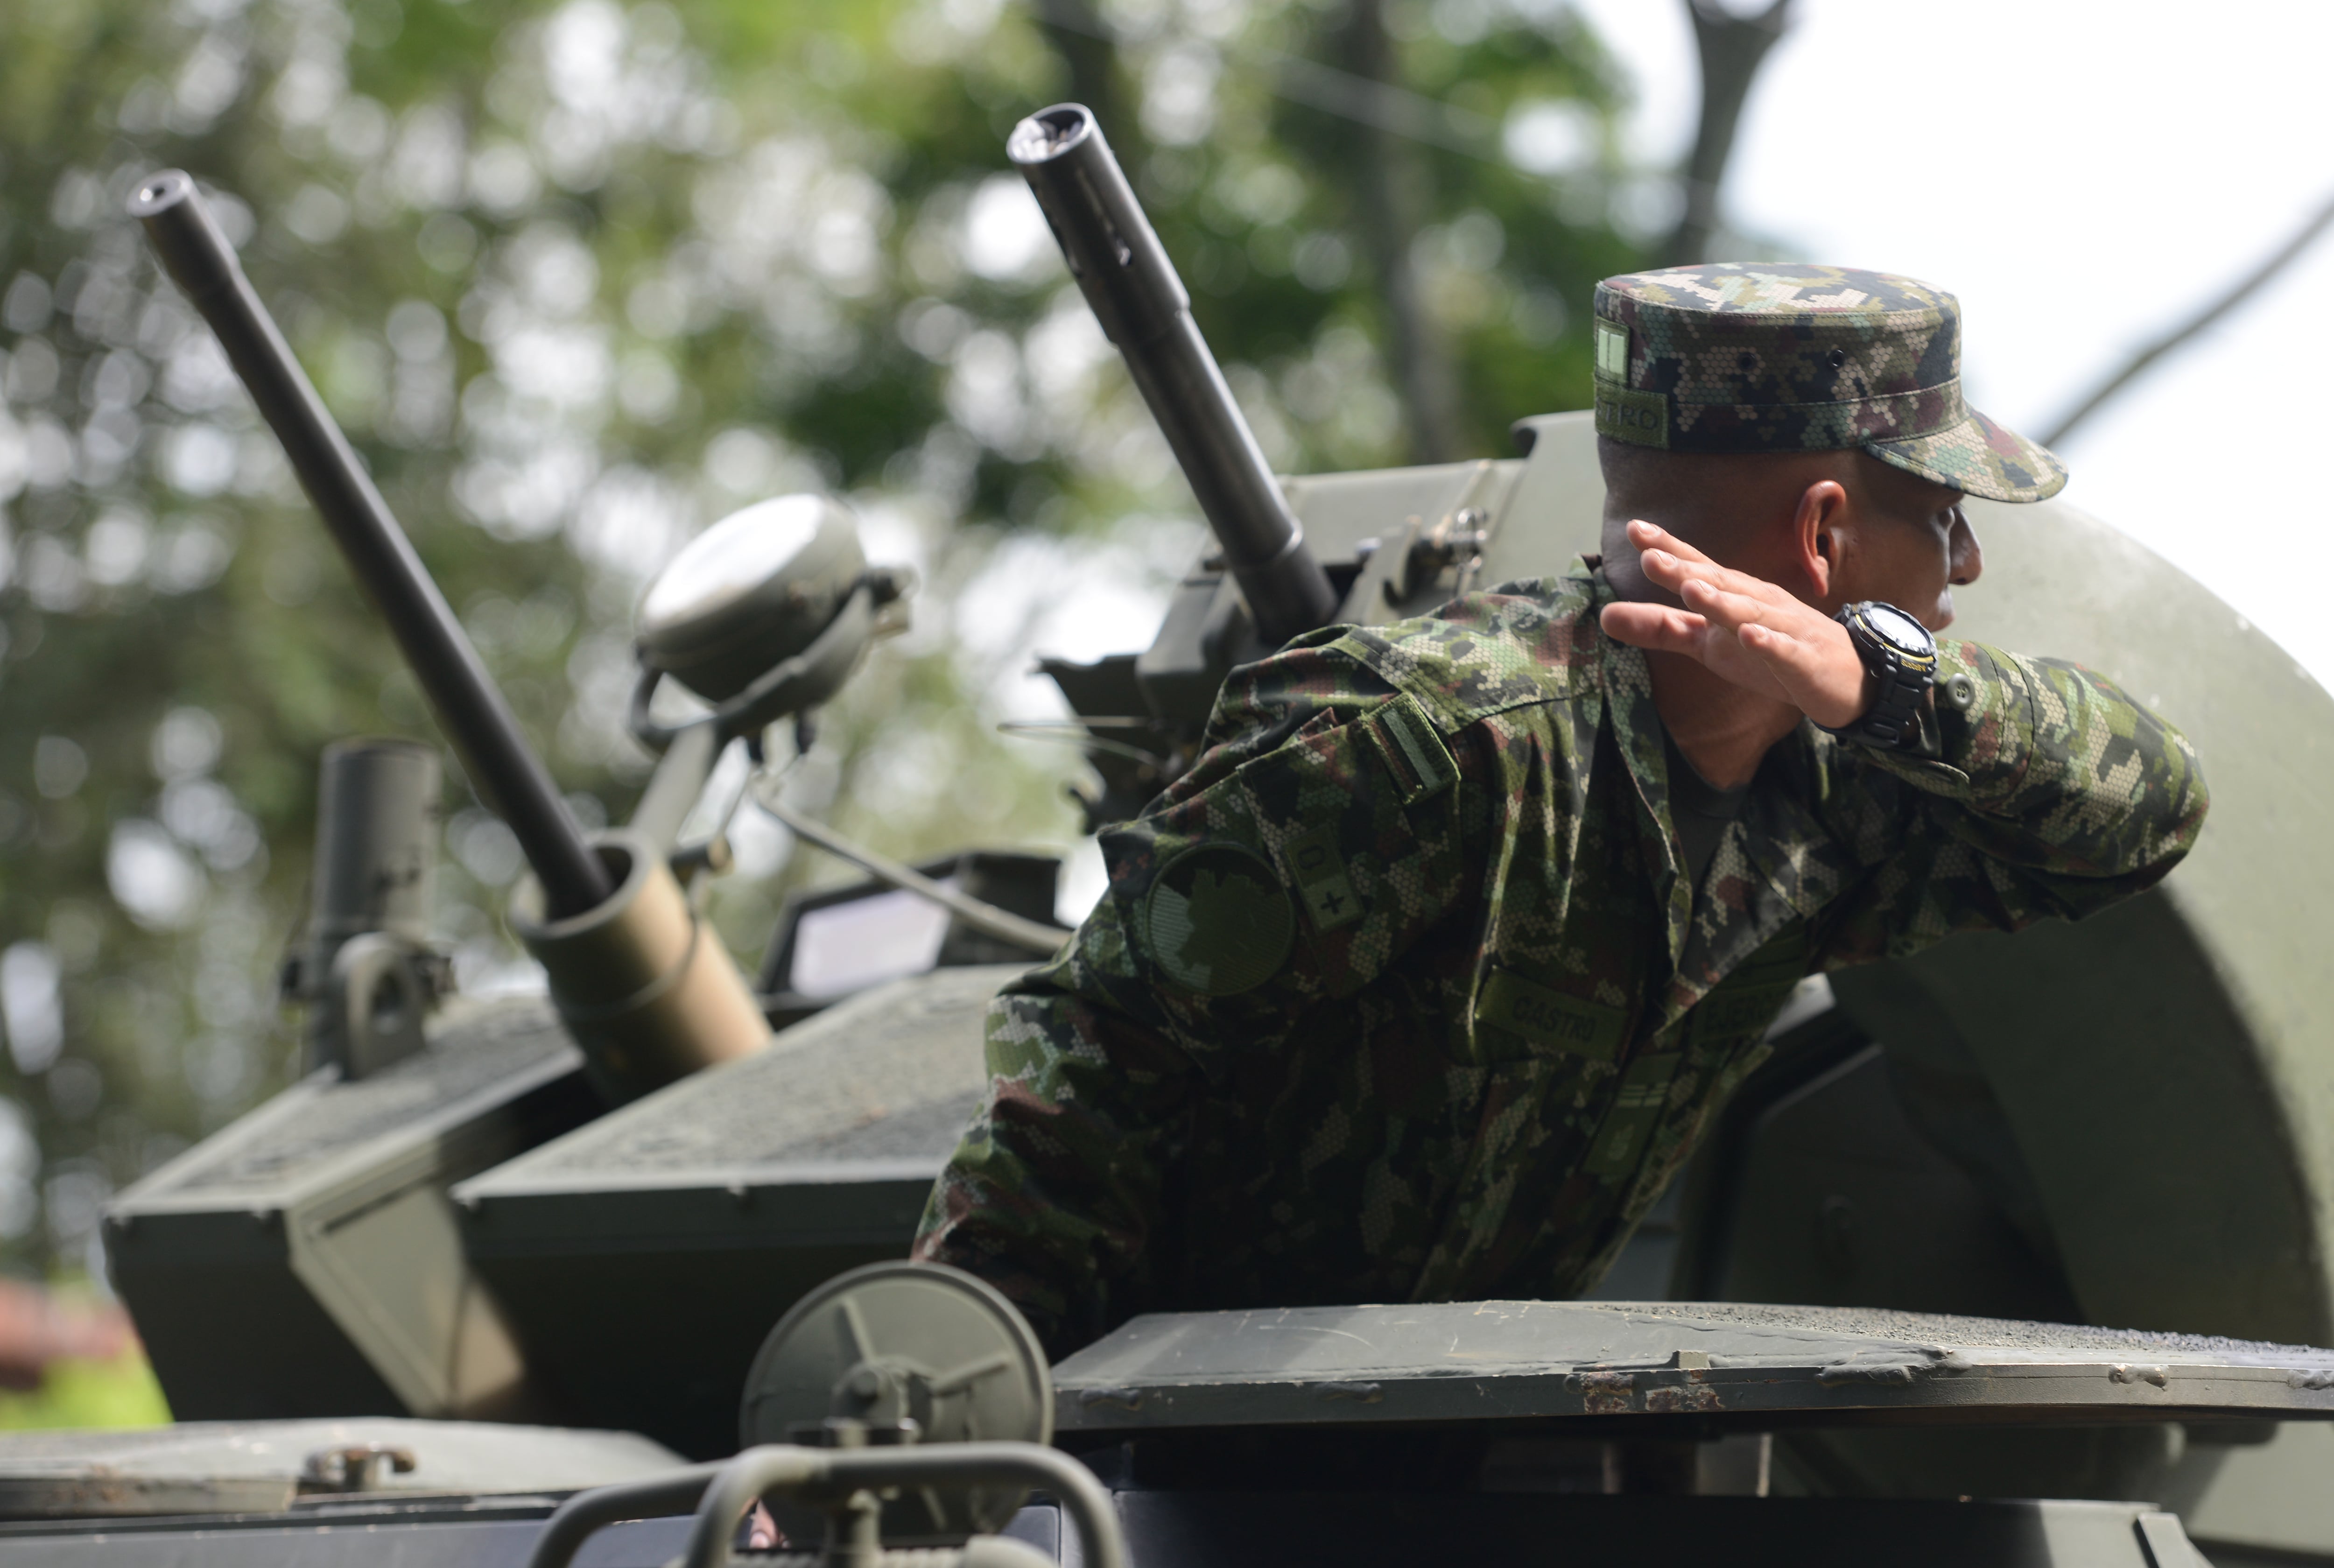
x=2009, y=1254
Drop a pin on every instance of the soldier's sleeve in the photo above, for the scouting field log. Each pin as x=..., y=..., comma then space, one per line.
x=1312, y=844
x=2044, y=791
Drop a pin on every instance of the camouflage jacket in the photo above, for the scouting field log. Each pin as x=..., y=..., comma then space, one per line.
x=1401, y=992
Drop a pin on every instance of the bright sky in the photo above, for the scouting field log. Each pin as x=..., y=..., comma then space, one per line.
x=2082, y=176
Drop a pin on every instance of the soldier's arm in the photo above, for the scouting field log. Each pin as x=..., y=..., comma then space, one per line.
x=1261, y=885
x=2044, y=791
x=1052, y=1192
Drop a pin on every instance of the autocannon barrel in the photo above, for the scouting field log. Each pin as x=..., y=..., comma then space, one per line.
x=1142, y=306
x=504, y=769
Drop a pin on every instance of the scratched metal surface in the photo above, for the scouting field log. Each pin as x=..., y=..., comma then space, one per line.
x=891, y=1075
x=1718, y=1362
x=235, y=1467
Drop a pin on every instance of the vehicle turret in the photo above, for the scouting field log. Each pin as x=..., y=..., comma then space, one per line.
x=2022, y=1217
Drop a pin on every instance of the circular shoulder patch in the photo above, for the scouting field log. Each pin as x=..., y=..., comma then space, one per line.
x=1217, y=921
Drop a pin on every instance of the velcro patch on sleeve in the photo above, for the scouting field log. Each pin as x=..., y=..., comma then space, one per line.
x=1217, y=921
x=1318, y=869
x=1405, y=740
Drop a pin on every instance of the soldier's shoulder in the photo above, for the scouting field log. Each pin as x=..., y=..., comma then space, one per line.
x=1531, y=640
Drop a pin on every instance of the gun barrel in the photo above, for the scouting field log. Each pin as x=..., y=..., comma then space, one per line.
x=504, y=769
x=1144, y=309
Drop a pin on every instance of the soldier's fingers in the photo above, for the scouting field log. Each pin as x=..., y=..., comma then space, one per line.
x=1674, y=571
x=1664, y=570
x=1670, y=561
x=1786, y=654
x=1727, y=607
x=1647, y=535
x=1780, y=654
x=1798, y=669
x=1654, y=626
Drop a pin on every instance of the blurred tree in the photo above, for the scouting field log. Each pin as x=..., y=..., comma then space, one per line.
x=1729, y=47
x=578, y=279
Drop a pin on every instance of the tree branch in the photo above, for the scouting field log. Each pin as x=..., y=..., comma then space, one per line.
x=2251, y=284
x=1387, y=182
x=1387, y=105
x=1090, y=54
x=1732, y=49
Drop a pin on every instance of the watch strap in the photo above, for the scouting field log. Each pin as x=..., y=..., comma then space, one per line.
x=1902, y=684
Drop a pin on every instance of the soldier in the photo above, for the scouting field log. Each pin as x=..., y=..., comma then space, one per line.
x=1426, y=979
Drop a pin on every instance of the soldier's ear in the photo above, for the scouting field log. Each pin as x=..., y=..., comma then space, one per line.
x=1822, y=538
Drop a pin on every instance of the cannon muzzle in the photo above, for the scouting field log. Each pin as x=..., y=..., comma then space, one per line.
x=1145, y=310
x=504, y=769
x=648, y=994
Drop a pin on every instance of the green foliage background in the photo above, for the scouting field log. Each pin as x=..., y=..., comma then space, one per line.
x=578, y=279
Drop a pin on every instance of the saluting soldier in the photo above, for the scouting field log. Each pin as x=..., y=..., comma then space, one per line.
x=1426, y=979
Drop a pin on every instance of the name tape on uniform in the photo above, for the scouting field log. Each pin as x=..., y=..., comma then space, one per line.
x=1548, y=1017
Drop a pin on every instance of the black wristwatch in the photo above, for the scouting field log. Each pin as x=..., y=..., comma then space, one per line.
x=1901, y=657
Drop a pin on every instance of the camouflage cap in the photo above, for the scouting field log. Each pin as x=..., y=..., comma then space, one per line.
x=1792, y=357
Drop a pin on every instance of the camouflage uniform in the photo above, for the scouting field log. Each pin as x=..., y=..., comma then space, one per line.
x=1404, y=992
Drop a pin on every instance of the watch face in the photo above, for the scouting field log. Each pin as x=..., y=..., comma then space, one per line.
x=1899, y=630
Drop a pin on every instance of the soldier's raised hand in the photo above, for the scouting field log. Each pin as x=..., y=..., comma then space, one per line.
x=1755, y=634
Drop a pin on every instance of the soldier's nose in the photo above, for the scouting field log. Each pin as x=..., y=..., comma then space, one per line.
x=1967, y=556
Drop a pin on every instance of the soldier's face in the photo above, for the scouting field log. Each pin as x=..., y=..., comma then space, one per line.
x=1919, y=548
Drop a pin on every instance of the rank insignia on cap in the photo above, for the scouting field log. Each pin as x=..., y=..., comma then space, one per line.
x=1217, y=921
x=1612, y=351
